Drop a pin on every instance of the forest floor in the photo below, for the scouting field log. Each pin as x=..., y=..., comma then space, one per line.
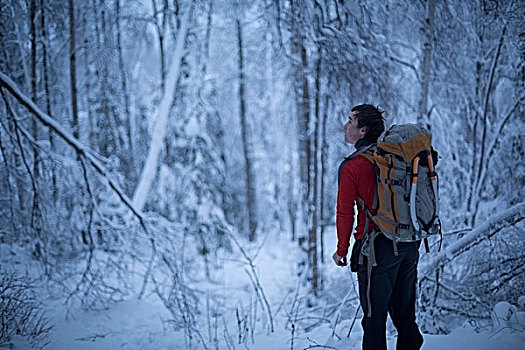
x=143, y=324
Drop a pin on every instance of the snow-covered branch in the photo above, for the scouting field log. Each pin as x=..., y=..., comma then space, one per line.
x=159, y=130
x=484, y=231
x=406, y=64
x=82, y=151
x=86, y=152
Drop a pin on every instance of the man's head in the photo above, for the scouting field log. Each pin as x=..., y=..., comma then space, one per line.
x=365, y=122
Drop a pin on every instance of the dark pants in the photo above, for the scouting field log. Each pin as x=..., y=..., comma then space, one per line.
x=392, y=290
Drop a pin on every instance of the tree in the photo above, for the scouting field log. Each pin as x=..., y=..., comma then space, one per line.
x=426, y=64
x=73, y=69
x=251, y=199
x=162, y=114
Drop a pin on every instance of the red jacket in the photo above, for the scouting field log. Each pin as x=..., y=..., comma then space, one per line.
x=357, y=177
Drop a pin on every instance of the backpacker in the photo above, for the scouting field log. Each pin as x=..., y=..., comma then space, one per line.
x=407, y=185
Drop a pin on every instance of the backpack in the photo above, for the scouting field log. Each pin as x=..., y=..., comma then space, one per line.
x=406, y=198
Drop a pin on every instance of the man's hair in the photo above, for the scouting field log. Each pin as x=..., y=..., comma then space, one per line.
x=371, y=117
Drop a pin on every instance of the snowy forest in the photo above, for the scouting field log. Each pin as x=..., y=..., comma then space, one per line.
x=168, y=168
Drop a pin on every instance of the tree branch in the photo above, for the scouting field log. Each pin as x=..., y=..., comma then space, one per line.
x=87, y=153
x=507, y=218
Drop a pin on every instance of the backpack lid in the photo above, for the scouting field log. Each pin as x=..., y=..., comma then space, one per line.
x=405, y=140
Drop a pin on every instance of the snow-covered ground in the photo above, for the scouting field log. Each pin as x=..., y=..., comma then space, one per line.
x=142, y=324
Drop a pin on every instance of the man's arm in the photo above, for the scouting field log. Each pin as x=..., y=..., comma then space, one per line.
x=346, y=196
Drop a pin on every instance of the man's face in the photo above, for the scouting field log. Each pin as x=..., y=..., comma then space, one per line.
x=352, y=132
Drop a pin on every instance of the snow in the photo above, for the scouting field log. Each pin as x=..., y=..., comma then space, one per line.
x=143, y=324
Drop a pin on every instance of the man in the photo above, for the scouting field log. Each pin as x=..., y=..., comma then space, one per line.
x=393, y=281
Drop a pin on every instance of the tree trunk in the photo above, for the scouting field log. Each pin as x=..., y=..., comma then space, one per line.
x=423, y=117
x=251, y=202
x=313, y=212
x=35, y=215
x=92, y=118
x=72, y=70
x=34, y=93
x=109, y=125
x=303, y=114
x=123, y=79
x=160, y=33
x=47, y=94
x=300, y=82
x=479, y=179
x=162, y=114
x=473, y=200
x=324, y=156
x=130, y=152
x=292, y=207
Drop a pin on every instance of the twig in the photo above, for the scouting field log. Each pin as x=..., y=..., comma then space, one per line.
x=255, y=281
x=338, y=312
x=208, y=316
x=293, y=333
x=353, y=321
x=254, y=321
x=227, y=338
x=317, y=346
x=239, y=330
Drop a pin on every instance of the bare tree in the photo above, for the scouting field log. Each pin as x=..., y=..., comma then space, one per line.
x=302, y=91
x=47, y=93
x=423, y=115
x=313, y=208
x=125, y=93
x=73, y=69
x=250, y=188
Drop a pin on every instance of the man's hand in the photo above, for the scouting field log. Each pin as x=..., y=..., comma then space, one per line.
x=339, y=260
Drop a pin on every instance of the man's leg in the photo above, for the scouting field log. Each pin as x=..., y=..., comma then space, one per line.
x=402, y=306
x=382, y=283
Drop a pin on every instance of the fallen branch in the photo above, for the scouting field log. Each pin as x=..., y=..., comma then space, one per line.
x=317, y=345
x=82, y=151
x=485, y=231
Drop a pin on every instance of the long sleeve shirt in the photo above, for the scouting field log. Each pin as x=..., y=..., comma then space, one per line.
x=357, y=177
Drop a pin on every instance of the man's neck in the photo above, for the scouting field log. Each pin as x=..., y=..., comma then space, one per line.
x=363, y=143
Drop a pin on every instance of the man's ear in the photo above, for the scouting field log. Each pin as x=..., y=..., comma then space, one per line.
x=363, y=130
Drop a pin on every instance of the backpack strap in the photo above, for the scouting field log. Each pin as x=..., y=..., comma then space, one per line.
x=366, y=152
x=368, y=250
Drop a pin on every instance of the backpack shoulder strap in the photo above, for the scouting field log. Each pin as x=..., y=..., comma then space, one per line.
x=369, y=155
x=367, y=152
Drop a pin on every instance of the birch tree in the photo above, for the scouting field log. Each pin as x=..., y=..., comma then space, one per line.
x=423, y=116
x=162, y=115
